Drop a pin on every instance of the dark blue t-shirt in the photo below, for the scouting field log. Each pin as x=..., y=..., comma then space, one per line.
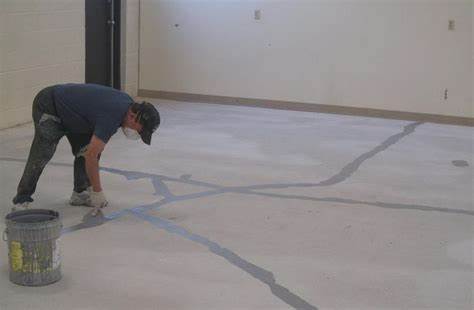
x=91, y=108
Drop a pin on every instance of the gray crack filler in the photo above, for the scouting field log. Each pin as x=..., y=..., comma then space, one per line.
x=255, y=271
x=258, y=273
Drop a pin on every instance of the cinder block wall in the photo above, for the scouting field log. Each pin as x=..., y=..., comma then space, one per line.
x=131, y=16
x=41, y=43
x=396, y=55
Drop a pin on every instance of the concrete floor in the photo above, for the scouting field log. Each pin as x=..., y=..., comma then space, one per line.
x=245, y=208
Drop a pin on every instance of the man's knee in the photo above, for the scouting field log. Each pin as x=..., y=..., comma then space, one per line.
x=43, y=148
x=49, y=128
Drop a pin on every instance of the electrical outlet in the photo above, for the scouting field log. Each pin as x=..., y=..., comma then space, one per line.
x=257, y=15
x=451, y=25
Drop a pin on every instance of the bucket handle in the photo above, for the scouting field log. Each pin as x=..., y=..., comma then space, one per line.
x=4, y=235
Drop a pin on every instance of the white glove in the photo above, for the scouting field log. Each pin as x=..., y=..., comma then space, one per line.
x=98, y=200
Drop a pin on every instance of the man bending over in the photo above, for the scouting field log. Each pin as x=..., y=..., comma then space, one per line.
x=88, y=115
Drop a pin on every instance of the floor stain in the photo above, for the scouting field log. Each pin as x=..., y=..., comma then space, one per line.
x=460, y=163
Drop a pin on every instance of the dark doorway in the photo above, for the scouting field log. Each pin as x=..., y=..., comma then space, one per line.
x=103, y=42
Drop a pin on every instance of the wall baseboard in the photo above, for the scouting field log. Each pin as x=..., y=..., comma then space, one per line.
x=308, y=107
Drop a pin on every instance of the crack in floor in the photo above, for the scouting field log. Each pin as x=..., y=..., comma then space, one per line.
x=253, y=270
x=158, y=182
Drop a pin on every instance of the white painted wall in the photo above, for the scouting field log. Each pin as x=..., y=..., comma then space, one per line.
x=131, y=16
x=472, y=50
x=41, y=43
x=385, y=54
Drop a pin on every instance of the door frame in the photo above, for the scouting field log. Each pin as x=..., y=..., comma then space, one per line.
x=117, y=37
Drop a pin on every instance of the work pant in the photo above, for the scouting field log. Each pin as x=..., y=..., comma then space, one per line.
x=48, y=133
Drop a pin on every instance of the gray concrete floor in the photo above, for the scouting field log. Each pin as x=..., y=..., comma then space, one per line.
x=246, y=208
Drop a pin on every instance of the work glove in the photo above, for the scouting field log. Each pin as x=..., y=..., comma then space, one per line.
x=98, y=200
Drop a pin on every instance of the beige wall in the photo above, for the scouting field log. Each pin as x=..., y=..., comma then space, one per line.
x=130, y=13
x=383, y=54
x=41, y=43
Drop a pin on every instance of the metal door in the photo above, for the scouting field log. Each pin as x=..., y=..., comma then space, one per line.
x=103, y=42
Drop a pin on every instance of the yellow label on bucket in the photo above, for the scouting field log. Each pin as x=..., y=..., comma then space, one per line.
x=16, y=256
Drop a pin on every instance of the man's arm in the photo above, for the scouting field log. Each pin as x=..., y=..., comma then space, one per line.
x=95, y=147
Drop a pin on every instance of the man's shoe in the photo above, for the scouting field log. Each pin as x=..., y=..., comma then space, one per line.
x=21, y=206
x=80, y=199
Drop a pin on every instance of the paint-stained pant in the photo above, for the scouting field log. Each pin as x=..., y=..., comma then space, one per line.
x=48, y=133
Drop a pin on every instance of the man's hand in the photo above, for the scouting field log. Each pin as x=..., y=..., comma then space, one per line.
x=98, y=201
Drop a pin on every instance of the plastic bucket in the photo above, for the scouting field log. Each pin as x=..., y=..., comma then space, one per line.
x=32, y=236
